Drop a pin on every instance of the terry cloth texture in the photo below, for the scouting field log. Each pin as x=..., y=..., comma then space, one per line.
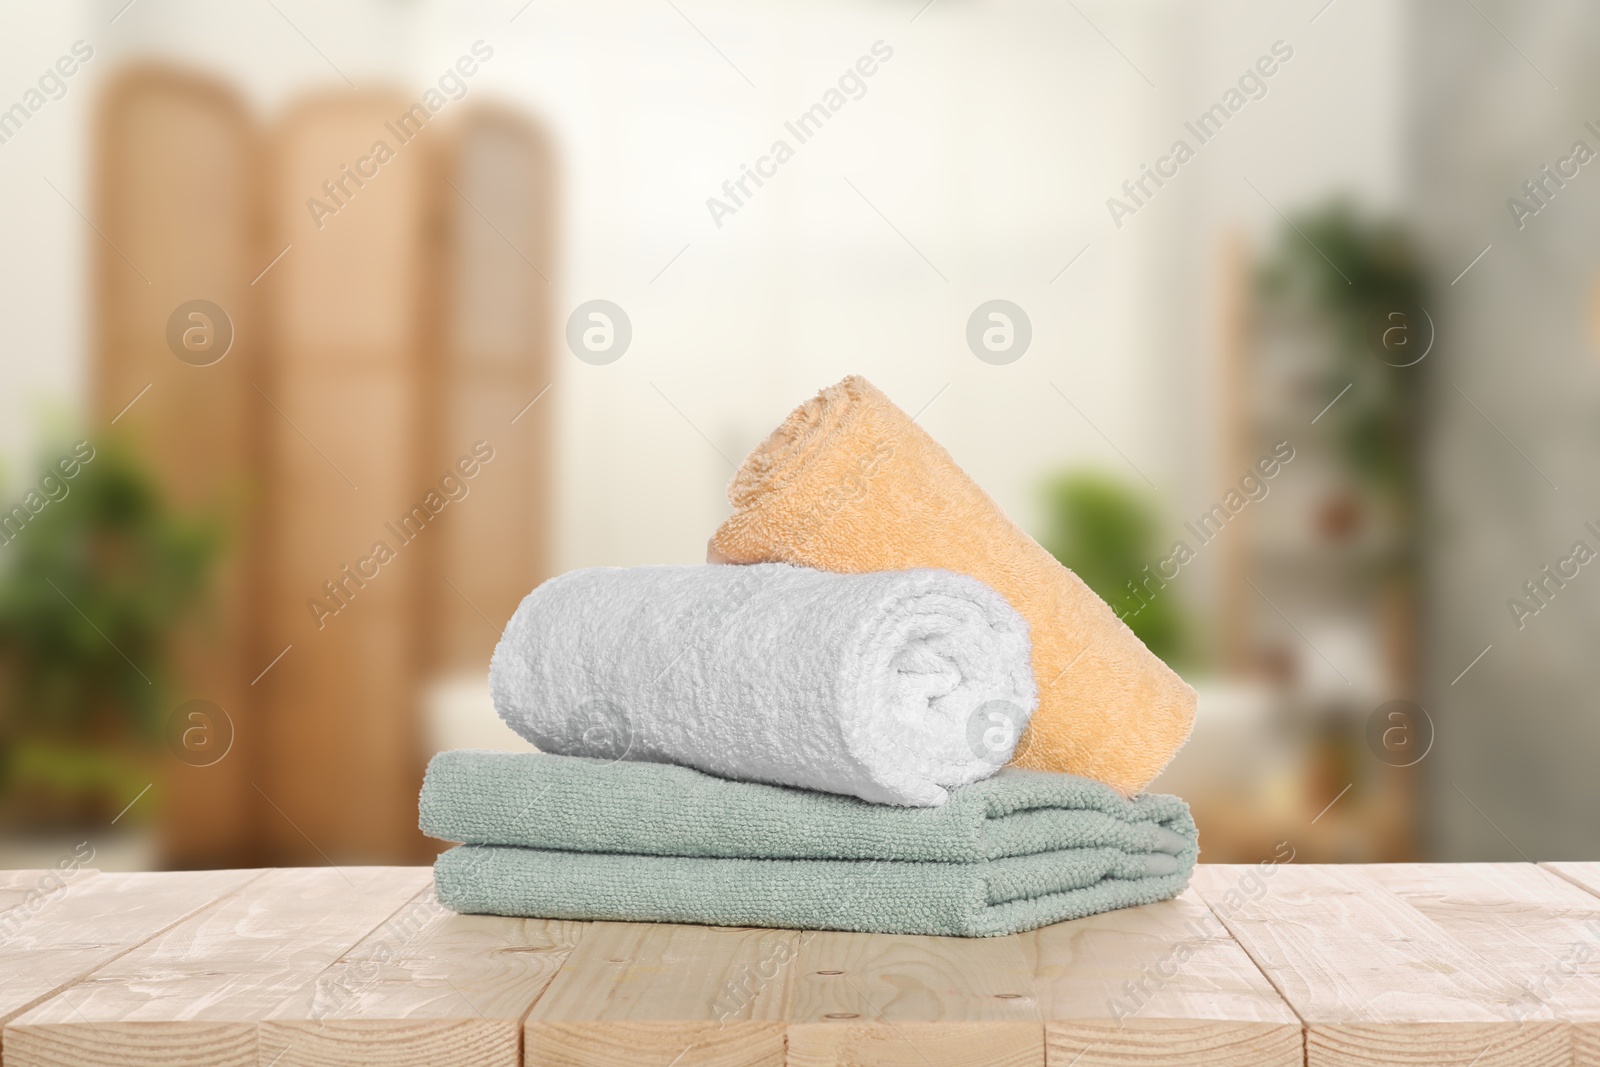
x=557, y=837
x=536, y=800
x=849, y=483
x=886, y=686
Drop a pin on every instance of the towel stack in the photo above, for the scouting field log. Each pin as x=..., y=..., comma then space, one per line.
x=816, y=739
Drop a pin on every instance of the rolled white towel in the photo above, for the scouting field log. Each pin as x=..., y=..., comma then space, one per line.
x=893, y=686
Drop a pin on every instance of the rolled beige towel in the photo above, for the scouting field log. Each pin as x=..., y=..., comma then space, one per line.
x=849, y=483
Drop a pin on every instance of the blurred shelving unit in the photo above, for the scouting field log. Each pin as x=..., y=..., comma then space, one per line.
x=1320, y=605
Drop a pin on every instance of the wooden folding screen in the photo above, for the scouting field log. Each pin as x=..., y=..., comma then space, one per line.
x=496, y=202
x=349, y=407
x=379, y=428
x=175, y=206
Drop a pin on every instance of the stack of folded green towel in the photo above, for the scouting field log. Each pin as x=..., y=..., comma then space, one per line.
x=573, y=838
x=834, y=746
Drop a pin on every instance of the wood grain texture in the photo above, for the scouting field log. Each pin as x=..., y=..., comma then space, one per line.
x=1532, y=927
x=88, y=923
x=1164, y=983
x=196, y=994
x=1585, y=876
x=1481, y=964
x=892, y=999
x=1585, y=1029
x=641, y=994
x=1374, y=979
x=427, y=987
x=32, y=887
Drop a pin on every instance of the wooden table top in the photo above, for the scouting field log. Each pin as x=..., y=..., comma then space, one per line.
x=1480, y=964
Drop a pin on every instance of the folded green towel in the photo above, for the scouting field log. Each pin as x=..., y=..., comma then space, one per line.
x=562, y=837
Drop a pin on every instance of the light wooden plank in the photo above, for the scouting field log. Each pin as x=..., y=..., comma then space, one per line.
x=1160, y=984
x=89, y=924
x=1468, y=964
x=428, y=987
x=1374, y=979
x=638, y=994
x=1585, y=876
x=1586, y=1030
x=1541, y=932
x=904, y=1000
x=196, y=994
x=30, y=887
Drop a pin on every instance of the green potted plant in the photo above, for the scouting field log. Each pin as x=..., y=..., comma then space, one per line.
x=1107, y=534
x=97, y=570
x=1362, y=282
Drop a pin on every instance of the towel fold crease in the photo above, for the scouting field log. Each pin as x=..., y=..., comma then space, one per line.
x=564, y=837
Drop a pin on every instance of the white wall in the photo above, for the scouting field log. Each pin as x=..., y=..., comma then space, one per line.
x=43, y=244
x=991, y=141
x=1513, y=776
